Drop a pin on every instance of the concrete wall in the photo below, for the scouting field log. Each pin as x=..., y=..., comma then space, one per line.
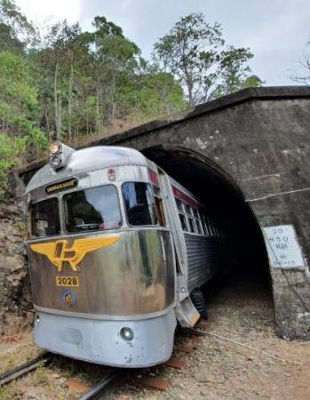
x=261, y=137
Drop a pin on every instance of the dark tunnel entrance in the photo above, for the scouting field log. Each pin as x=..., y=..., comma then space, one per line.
x=218, y=191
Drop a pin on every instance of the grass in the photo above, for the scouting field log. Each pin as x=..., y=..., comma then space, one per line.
x=4, y=395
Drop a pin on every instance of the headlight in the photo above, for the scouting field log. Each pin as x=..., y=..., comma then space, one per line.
x=126, y=333
x=55, y=148
x=55, y=161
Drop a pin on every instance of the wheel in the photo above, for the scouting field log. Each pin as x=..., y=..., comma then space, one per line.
x=199, y=302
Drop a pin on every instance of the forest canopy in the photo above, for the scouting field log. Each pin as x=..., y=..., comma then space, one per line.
x=67, y=83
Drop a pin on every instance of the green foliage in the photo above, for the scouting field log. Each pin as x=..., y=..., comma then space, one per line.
x=16, y=84
x=10, y=150
x=88, y=80
x=252, y=81
x=4, y=395
x=234, y=70
x=151, y=94
x=18, y=110
x=15, y=30
x=192, y=52
x=105, y=28
x=19, y=100
x=189, y=51
x=8, y=39
x=72, y=83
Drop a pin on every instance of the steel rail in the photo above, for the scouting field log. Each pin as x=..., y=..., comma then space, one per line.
x=31, y=365
x=25, y=368
x=97, y=389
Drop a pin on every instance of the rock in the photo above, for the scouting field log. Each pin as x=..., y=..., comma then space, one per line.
x=77, y=386
x=15, y=299
x=12, y=263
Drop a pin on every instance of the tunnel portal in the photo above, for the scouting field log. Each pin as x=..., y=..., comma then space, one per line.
x=224, y=200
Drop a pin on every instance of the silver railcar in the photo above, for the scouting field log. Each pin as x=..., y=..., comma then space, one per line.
x=116, y=247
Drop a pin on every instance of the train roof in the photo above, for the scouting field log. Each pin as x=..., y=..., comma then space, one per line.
x=87, y=160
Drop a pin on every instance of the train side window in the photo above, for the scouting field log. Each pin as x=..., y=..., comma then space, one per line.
x=139, y=203
x=197, y=220
x=44, y=217
x=181, y=215
x=183, y=222
x=179, y=205
x=206, y=226
x=190, y=218
x=202, y=229
x=202, y=222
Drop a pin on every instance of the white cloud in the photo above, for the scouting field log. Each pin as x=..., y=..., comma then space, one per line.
x=45, y=10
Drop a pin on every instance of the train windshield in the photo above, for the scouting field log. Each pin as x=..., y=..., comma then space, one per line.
x=92, y=209
x=139, y=203
x=44, y=218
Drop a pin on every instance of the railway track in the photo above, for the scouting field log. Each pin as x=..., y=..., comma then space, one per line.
x=98, y=389
x=43, y=359
x=110, y=376
x=24, y=369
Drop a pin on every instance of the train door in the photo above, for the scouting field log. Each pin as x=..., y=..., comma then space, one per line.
x=186, y=313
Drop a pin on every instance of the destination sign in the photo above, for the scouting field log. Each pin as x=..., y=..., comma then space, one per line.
x=57, y=187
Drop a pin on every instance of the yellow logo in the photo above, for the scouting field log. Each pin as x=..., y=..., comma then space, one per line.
x=59, y=253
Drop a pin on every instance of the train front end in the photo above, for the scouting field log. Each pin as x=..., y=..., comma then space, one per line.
x=101, y=258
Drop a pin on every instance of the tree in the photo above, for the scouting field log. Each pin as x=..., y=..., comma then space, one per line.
x=62, y=40
x=73, y=48
x=190, y=51
x=193, y=52
x=18, y=113
x=113, y=56
x=252, y=81
x=304, y=77
x=233, y=71
x=18, y=97
x=14, y=26
x=9, y=41
x=72, y=83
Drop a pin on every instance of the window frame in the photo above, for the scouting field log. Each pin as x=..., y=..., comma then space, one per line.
x=30, y=227
x=64, y=223
x=182, y=213
x=159, y=206
x=151, y=184
x=198, y=218
x=190, y=219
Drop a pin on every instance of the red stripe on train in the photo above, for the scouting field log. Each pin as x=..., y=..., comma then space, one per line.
x=185, y=197
x=154, y=177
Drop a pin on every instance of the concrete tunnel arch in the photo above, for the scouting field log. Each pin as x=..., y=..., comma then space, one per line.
x=219, y=192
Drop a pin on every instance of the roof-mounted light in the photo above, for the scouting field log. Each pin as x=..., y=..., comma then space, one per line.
x=55, y=148
x=55, y=162
x=58, y=155
x=55, y=155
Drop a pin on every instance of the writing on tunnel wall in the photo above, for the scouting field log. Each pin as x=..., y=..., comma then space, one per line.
x=283, y=248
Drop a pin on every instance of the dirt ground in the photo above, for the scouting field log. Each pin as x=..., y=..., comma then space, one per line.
x=241, y=312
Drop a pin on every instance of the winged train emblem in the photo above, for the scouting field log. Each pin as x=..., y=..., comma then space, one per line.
x=59, y=252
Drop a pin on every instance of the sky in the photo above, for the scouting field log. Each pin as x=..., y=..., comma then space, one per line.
x=276, y=31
